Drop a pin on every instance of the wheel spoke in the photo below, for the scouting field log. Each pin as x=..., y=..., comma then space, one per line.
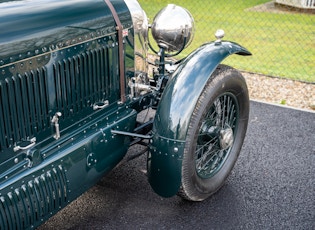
x=211, y=157
x=230, y=110
x=232, y=116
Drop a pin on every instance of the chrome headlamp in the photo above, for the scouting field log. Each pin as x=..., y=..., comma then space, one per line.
x=173, y=28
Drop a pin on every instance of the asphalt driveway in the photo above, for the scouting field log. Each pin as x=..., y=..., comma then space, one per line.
x=271, y=187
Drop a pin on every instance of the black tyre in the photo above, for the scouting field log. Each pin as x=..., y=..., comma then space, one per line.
x=215, y=135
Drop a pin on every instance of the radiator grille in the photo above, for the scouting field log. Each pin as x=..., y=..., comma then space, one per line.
x=71, y=87
x=34, y=201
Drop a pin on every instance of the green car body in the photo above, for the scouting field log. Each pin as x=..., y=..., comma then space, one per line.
x=62, y=99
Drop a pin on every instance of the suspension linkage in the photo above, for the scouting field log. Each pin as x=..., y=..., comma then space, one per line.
x=131, y=134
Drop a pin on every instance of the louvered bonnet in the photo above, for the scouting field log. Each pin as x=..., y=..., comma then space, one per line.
x=55, y=56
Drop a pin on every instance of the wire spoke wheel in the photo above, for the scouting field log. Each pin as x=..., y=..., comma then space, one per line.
x=215, y=134
x=216, y=137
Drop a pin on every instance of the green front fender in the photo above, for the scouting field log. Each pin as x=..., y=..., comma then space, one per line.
x=175, y=110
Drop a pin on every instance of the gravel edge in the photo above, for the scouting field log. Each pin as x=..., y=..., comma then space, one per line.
x=281, y=91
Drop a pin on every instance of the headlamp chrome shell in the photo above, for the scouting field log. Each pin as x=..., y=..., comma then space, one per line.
x=173, y=28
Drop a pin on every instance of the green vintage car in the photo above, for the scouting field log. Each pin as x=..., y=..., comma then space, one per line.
x=74, y=78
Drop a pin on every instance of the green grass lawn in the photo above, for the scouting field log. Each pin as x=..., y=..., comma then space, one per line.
x=282, y=44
